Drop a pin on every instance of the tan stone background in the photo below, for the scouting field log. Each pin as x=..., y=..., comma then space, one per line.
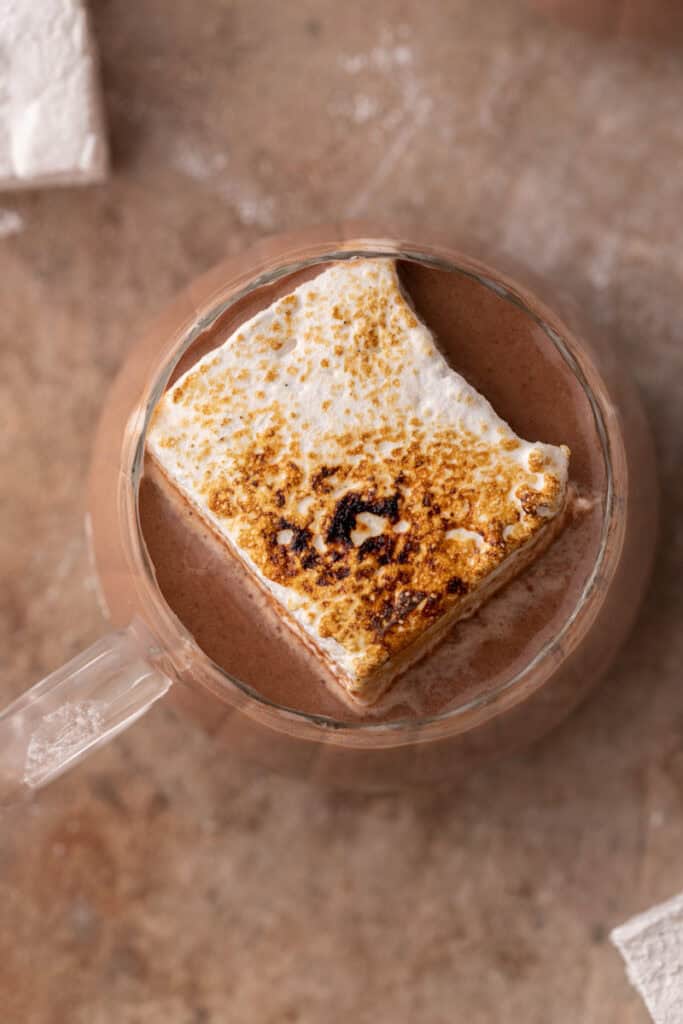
x=162, y=883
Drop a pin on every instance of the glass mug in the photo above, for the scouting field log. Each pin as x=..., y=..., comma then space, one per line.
x=151, y=654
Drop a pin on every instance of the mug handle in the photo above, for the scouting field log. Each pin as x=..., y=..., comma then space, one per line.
x=76, y=709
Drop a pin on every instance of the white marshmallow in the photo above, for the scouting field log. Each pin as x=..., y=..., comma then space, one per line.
x=51, y=122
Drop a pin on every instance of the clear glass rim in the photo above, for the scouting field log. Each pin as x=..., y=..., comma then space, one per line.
x=133, y=461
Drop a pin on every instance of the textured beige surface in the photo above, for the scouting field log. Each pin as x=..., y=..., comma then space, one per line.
x=161, y=883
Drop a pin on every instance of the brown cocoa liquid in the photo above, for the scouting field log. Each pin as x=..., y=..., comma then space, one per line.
x=507, y=356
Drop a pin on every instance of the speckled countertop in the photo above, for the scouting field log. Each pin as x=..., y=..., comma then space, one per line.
x=162, y=882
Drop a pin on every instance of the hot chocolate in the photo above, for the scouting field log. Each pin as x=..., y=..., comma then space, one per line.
x=507, y=357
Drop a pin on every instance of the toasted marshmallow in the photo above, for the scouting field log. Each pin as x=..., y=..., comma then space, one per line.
x=373, y=493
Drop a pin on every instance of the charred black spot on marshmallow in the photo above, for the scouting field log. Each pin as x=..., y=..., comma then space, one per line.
x=350, y=507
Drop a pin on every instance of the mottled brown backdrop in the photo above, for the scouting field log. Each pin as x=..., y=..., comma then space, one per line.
x=161, y=882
